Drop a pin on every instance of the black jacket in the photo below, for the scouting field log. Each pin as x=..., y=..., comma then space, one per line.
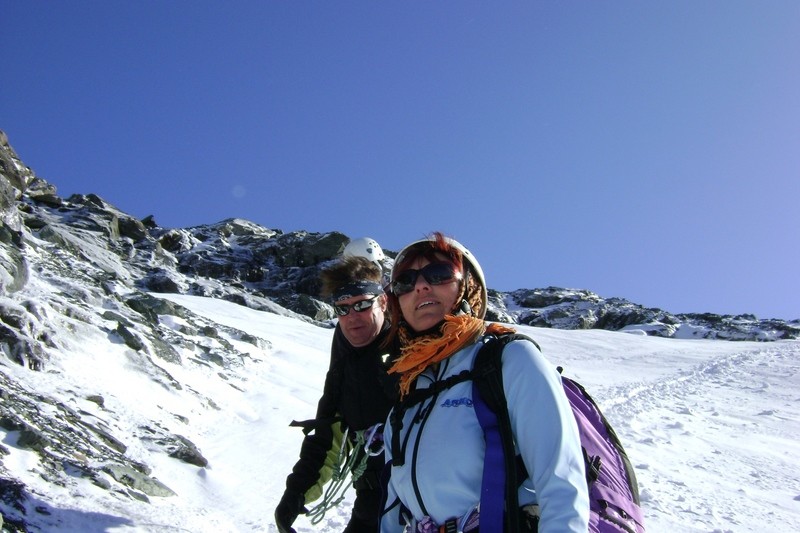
x=358, y=392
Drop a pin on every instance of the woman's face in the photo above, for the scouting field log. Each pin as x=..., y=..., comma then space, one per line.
x=425, y=305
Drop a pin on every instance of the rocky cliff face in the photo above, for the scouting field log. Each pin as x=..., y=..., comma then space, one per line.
x=79, y=264
x=267, y=269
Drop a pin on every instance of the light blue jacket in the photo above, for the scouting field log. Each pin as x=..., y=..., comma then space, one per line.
x=443, y=446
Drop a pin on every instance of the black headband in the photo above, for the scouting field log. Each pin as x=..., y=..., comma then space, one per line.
x=356, y=288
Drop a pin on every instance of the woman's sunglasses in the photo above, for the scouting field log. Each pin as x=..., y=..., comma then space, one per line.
x=434, y=273
x=358, y=307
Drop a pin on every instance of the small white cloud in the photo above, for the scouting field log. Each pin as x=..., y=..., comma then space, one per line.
x=238, y=191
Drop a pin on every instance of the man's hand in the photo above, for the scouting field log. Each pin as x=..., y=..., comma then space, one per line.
x=290, y=506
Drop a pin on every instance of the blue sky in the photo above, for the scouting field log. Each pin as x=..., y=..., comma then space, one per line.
x=643, y=150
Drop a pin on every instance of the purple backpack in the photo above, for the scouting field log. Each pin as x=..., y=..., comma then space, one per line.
x=613, y=491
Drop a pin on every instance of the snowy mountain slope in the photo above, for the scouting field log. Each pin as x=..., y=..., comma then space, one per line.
x=711, y=426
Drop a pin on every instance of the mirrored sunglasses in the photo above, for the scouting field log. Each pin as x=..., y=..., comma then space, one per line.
x=434, y=273
x=359, y=306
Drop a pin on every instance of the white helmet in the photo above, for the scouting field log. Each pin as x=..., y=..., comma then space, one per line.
x=364, y=247
x=469, y=259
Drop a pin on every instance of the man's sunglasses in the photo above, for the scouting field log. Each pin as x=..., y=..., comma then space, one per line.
x=434, y=273
x=359, y=306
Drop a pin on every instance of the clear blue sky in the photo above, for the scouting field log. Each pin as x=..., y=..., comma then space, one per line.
x=644, y=150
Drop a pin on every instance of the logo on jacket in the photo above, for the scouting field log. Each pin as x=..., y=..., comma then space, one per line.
x=458, y=401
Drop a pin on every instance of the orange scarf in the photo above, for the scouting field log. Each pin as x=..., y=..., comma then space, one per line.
x=457, y=332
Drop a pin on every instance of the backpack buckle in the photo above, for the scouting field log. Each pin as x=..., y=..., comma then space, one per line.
x=450, y=526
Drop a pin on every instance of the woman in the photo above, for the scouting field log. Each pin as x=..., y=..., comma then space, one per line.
x=437, y=304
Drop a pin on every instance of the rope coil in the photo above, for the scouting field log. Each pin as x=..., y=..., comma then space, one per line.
x=350, y=460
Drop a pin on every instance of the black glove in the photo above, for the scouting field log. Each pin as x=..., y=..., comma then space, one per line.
x=290, y=506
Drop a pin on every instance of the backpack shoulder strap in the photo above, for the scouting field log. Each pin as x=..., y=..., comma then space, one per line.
x=500, y=479
x=488, y=366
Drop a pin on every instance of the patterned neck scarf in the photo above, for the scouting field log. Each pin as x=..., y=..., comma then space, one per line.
x=455, y=333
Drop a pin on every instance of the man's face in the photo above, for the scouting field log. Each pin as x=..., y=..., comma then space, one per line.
x=361, y=327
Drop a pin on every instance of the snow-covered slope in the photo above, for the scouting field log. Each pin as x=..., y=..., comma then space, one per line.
x=713, y=427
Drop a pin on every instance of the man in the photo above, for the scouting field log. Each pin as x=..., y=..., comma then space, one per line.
x=357, y=392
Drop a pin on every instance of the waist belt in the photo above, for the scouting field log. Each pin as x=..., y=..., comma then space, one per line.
x=452, y=525
x=529, y=520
